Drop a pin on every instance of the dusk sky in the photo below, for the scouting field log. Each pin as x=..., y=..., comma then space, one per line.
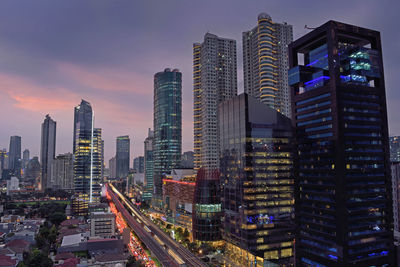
x=54, y=53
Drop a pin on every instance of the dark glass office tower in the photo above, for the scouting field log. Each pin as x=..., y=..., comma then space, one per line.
x=257, y=183
x=123, y=156
x=14, y=156
x=47, y=150
x=343, y=185
x=148, y=166
x=167, y=124
x=206, y=216
x=87, y=156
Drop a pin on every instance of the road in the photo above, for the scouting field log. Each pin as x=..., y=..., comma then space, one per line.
x=181, y=251
x=158, y=250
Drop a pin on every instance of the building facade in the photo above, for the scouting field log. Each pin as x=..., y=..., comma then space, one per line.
x=47, y=150
x=214, y=80
x=25, y=158
x=62, y=172
x=257, y=183
x=394, y=143
x=395, y=167
x=102, y=224
x=266, y=63
x=343, y=195
x=14, y=156
x=113, y=167
x=138, y=164
x=87, y=156
x=187, y=160
x=167, y=124
x=122, y=156
x=148, y=166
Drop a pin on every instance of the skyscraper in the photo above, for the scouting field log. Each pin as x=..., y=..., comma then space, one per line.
x=3, y=160
x=167, y=124
x=394, y=143
x=123, y=156
x=214, y=80
x=395, y=167
x=25, y=158
x=265, y=63
x=62, y=172
x=138, y=164
x=87, y=159
x=113, y=167
x=148, y=166
x=257, y=183
x=47, y=150
x=14, y=156
x=342, y=170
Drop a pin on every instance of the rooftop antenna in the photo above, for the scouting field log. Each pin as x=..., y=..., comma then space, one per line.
x=308, y=28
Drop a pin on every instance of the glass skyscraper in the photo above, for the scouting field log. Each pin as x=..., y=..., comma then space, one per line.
x=257, y=183
x=167, y=124
x=266, y=63
x=123, y=156
x=87, y=156
x=394, y=142
x=47, y=150
x=148, y=166
x=14, y=156
x=343, y=183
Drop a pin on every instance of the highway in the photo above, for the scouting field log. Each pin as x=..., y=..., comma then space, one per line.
x=175, y=249
x=162, y=254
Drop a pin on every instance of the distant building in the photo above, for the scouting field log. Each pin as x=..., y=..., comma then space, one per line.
x=148, y=166
x=33, y=171
x=12, y=185
x=113, y=168
x=138, y=164
x=62, y=172
x=167, y=124
x=3, y=160
x=266, y=63
x=394, y=143
x=47, y=150
x=102, y=224
x=395, y=166
x=187, y=160
x=14, y=156
x=25, y=158
x=122, y=156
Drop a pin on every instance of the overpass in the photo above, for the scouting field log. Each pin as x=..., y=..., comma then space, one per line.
x=163, y=242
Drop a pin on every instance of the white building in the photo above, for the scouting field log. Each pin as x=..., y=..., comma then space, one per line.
x=102, y=224
x=12, y=185
x=214, y=81
x=266, y=63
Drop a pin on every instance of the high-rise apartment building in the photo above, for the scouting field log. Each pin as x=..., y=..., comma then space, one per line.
x=214, y=81
x=257, y=183
x=167, y=124
x=395, y=167
x=148, y=166
x=47, y=150
x=3, y=160
x=122, y=156
x=394, y=143
x=87, y=156
x=62, y=172
x=14, y=156
x=138, y=164
x=343, y=191
x=266, y=63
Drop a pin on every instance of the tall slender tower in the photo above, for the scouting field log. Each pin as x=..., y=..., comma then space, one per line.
x=343, y=197
x=148, y=166
x=87, y=156
x=265, y=63
x=47, y=150
x=214, y=80
x=14, y=156
x=123, y=156
x=167, y=124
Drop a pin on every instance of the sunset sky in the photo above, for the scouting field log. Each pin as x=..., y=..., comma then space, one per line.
x=54, y=53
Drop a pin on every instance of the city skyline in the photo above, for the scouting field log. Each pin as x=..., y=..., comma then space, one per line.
x=116, y=83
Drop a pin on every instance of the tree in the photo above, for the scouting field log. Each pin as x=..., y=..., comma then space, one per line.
x=37, y=258
x=57, y=218
x=186, y=233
